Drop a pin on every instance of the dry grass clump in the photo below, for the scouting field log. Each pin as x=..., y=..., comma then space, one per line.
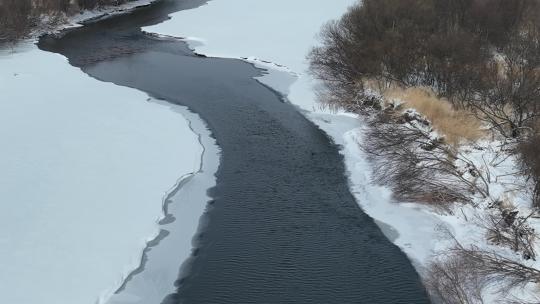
x=457, y=126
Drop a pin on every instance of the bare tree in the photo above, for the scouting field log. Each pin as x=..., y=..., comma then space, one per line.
x=451, y=281
x=417, y=166
x=15, y=19
x=461, y=275
x=509, y=95
x=496, y=269
x=19, y=17
x=508, y=229
x=529, y=149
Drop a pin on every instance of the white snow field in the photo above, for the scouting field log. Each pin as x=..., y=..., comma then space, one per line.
x=85, y=167
x=278, y=35
x=187, y=205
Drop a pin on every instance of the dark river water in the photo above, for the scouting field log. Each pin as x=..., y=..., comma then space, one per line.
x=283, y=226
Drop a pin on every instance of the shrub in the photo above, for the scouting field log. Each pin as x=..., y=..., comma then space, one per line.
x=461, y=275
x=51, y=6
x=414, y=164
x=18, y=17
x=529, y=150
x=446, y=45
x=15, y=19
x=451, y=281
x=508, y=228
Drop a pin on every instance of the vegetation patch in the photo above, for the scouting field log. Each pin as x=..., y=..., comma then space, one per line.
x=450, y=92
x=19, y=17
x=456, y=126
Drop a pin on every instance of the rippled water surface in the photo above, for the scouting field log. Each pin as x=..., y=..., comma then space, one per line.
x=283, y=226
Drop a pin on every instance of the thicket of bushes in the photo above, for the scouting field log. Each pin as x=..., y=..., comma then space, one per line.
x=482, y=56
x=463, y=275
x=18, y=17
x=462, y=64
x=447, y=45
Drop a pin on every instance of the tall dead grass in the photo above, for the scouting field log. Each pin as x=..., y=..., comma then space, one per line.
x=457, y=126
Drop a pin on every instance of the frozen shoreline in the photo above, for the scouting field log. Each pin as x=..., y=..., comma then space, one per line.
x=184, y=206
x=101, y=160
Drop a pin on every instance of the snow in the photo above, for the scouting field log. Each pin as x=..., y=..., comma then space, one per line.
x=187, y=205
x=86, y=167
x=276, y=35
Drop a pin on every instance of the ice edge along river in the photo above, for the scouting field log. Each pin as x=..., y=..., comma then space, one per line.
x=186, y=204
x=277, y=35
x=87, y=170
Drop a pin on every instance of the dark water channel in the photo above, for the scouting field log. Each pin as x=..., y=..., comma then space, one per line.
x=283, y=226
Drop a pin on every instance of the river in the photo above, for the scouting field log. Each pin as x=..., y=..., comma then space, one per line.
x=282, y=225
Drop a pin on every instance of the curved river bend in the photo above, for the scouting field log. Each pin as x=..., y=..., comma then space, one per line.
x=282, y=226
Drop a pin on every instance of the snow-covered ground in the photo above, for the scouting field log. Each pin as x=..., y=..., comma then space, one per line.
x=277, y=35
x=85, y=169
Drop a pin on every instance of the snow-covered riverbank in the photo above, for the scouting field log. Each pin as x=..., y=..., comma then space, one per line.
x=86, y=167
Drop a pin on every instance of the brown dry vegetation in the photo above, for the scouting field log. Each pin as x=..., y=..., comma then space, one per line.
x=457, y=126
